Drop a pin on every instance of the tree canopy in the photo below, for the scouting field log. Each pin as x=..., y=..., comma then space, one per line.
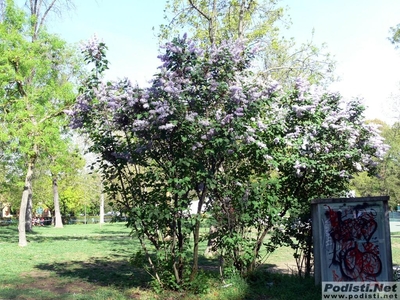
x=258, y=23
x=36, y=87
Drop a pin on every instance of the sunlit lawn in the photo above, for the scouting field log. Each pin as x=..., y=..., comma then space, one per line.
x=92, y=262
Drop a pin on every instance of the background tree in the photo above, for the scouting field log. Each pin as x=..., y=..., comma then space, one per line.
x=386, y=182
x=11, y=177
x=35, y=90
x=64, y=164
x=257, y=22
x=41, y=9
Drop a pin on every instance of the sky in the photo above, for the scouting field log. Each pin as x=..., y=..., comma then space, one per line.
x=355, y=33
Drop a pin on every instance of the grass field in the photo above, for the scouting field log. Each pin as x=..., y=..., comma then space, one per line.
x=92, y=262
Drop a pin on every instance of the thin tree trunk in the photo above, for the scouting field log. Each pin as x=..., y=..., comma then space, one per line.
x=196, y=235
x=26, y=198
x=101, y=221
x=28, y=213
x=58, y=221
x=257, y=248
x=241, y=20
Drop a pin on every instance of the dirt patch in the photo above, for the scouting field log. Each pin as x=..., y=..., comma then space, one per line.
x=45, y=281
x=283, y=268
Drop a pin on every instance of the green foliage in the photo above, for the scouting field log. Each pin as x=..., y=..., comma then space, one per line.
x=386, y=181
x=65, y=166
x=394, y=37
x=212, y=22
x=37, y=71
x=35, y=84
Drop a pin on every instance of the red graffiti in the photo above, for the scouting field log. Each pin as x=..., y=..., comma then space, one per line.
x=354, y=252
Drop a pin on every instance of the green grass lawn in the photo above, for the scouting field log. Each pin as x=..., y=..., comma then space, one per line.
x=92, y=262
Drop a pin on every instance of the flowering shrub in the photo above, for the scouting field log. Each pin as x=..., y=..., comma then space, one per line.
x=208, y=130
x=326, y=142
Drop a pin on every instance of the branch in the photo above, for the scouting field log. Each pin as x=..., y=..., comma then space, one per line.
x=44, y=16
x=53, y=115
x=200, y=11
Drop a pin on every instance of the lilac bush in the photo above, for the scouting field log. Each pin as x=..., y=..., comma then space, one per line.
x=326, y=142
x=208, y=129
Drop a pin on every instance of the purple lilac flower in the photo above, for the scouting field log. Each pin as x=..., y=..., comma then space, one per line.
x=167, y=126
x=357, y=166
x=197, y=145
x=204, y=122
x=139, y=125
x=94, y=47
x=239, y=112
x=273, y=87
x=261, y=125
x=191, y=116
x=298, y=167
x=261, y=145
x=249, y=139
x=301, y=85
x=227, y=119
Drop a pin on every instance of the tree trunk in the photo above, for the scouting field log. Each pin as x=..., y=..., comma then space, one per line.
x=241, y=20
x=24, y=216
x=57, y=221
x=196, y=234
x=101, y=221
x=28, y=213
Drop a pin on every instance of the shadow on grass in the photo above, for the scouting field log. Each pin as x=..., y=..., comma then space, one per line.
x=266, y=285
x=9, y=234
x=121, y=239
x=101, y=272
x=118, y=273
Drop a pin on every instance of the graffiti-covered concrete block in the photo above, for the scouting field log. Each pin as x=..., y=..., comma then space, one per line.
x=352, y=239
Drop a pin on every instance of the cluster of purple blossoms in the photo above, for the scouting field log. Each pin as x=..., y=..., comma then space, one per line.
x=195, y=91
x=360, y=143
x=94, y=48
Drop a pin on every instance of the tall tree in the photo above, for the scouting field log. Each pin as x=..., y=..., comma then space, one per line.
x=213, y=21
x=256, y=22
x=35, y=90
